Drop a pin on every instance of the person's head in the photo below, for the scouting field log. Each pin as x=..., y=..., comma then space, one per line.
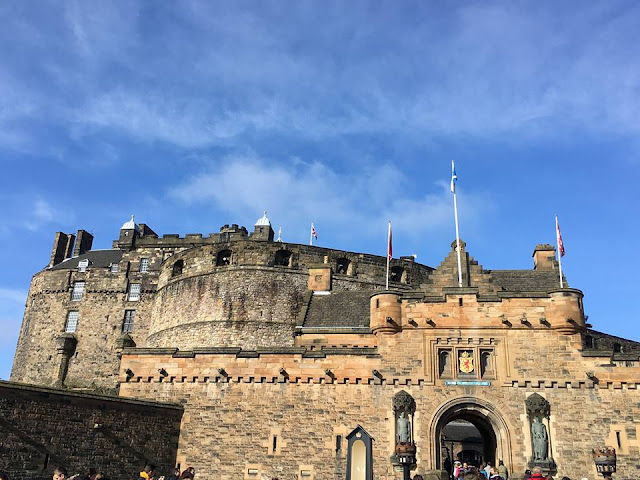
x=149, y=468
x=566, y=478
x=501, y=462
x=418, y=477
x=192, y=471
x=465, y=465
x=537, y=470
x=60, y=473
x=494, y=471
x=4, y=476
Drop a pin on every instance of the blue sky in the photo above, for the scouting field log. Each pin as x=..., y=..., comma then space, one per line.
x=196, y=114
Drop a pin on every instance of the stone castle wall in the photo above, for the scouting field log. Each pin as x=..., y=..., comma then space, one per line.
x=44, y=428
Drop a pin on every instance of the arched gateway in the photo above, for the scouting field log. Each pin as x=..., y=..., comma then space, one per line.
x=494, y=437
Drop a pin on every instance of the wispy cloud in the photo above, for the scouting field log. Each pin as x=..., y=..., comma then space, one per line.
x=300, y=192
x=41, y=214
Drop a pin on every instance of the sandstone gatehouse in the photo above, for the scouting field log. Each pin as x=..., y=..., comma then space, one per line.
x=250, y=358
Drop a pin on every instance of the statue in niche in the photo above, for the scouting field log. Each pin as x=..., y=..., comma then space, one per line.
x=403, y=428
x=540, y=439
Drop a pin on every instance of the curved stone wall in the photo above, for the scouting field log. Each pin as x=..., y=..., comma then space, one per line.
x=247, y=307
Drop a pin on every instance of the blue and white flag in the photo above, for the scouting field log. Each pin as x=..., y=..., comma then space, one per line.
x=454, y=177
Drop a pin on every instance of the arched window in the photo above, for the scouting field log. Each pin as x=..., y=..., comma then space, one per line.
x=398, y=274
x=223, y=258
x=359, y=455
x=283, y=258
x=177, y=268
x=486, y=363
x=343, y=266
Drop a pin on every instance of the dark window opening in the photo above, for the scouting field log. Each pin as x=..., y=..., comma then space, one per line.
x=283, y=258
x=618, y=440
x=377, y=303
x=338, y=443
x=398, y=274
x=223, y=258
x=486, y=364
x=460, y=302
x=343, y=266
x=588, y=341
x=177, y=268
x=275, y=443
x=617, y=348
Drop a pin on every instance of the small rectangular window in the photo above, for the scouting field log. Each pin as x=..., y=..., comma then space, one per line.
x=82, y=265
x=78, y=291
x=127, y=324
x=144, y=265
x=114, y=268
x=134, y=292
x=338, y=443
x=72, y=322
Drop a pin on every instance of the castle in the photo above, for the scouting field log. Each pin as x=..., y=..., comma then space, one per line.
x=276, y=360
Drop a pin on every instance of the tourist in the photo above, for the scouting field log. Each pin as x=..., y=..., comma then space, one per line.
x=187, y=474
x=457, y=468
x=487, y=469
x=502, y=470
x=4, y=476
x=60, y=473
x=495, y=475
x=483, y=471
x=174, y=475
x=527, y=475
x=536, y=474
x=147, y=472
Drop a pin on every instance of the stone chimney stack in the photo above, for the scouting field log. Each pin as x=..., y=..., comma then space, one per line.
x=544, y=257
x=62, y=247
x=84, y=241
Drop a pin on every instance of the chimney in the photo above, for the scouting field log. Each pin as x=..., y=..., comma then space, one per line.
x=84, y=240
x=544, y=257
x=62, y=247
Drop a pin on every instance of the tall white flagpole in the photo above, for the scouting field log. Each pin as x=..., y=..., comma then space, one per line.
x=558, y=248
x=311, y=234
x=454, y=179
x=388, y=254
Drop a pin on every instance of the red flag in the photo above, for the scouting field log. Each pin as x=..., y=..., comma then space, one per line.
x=390, y=250
x=559, y=238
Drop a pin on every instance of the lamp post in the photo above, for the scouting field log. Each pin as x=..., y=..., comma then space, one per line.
x=605, y=460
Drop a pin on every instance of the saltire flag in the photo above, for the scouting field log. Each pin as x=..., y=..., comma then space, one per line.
x=454, y=177
x=559, y=238
x=390, y=249
x=314, y=234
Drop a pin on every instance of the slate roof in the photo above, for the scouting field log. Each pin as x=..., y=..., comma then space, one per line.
x=97, y=258
x=526, y=280
x=339, y=309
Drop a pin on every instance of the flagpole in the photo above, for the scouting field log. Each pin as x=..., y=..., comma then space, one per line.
x=311, y=234
x=558, y=249
x=454, y=178
x=388, y=243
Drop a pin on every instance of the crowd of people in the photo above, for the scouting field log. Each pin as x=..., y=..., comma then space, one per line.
x=148, y=473
x=466, y=471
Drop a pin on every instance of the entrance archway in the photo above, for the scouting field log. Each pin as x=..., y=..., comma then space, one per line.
x=469, y=429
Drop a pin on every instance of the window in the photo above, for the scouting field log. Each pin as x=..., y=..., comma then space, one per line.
x=72, y=322
x=617, y=348
x=398, y=274
x=445, y=364
x=588, y=341
x=486, y=364
x=342, y=266
x=223, y=258
x=283, y=258
x=177, y=268
x=144, y=265
x=78, y=291
x=82, y=265
x=134, y=292
x=127, y=324
x=114, y=268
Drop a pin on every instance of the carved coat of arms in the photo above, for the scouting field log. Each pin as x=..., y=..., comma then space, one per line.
x=466, y=362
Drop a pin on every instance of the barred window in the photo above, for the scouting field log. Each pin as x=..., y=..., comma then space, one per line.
x=144, y=265
x=114, y=268
x=78, y=291
x=127, y=324
x=72, y=322
x=134, y=292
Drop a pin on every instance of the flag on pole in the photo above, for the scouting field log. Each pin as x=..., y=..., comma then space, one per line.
x=559, y=238
x=314, y=234
x=454, y=177
x=390, y=249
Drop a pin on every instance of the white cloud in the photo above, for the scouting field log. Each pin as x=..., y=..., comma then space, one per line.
x=299, y=192
x=41, y=214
